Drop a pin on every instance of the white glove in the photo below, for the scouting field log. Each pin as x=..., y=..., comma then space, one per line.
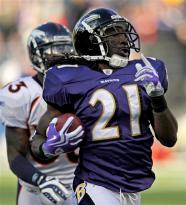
x=53, y=191
x=148, y=77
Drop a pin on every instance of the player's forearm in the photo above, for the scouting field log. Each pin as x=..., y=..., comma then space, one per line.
x=24, y=170
x=165, y=126
x=43, y=124
x=45, y=120
x=20, y=165
x=36, y=148
x=40, y=136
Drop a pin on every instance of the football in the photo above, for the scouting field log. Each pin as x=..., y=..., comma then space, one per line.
x=64, y=134
x=63, y=118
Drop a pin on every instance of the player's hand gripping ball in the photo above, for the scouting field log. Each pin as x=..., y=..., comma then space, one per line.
x=64, y=134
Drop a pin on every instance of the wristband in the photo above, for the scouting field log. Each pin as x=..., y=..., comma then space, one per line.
x=24, y=170
x=158, y=103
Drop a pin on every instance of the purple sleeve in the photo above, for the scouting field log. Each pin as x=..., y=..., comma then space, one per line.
x=53, y=88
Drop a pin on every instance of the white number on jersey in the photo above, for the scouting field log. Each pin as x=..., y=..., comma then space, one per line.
x=100, y=130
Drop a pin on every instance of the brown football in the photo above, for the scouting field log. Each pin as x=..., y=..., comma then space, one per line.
x=63, y=118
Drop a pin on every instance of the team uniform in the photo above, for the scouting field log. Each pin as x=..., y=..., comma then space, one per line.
x=115, y=158
x=22, y=106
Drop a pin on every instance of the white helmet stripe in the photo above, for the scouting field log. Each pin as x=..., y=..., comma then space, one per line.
x=88, y=28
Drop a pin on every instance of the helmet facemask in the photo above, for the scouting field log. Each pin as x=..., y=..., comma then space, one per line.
x=52, y=52
x=45, y=55
x=114, y=50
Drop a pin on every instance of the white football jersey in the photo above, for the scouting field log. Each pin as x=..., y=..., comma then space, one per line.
x=22, y=105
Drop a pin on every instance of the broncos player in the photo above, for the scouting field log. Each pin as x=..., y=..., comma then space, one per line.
x=117, y=100
x=21, y=108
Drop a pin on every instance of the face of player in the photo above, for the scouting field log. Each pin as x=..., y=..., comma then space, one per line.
x=117, y=42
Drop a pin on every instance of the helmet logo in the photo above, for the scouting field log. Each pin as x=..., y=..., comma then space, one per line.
x=92, y=18
x=38, y=33
x=90, y=22
x=116, y=17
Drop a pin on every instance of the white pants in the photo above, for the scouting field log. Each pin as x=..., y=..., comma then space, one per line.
x=28, y=198
x=90, y=194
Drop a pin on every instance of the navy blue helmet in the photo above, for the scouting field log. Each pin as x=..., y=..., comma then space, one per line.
x=91, y=33
x=46, y=42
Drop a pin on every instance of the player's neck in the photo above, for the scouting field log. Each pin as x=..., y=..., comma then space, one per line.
x=103, y=66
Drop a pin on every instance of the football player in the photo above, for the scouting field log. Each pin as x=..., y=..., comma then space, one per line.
x=117, y=100
x=41, y=181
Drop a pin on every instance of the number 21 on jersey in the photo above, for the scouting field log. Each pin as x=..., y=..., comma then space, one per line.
x=100, y=130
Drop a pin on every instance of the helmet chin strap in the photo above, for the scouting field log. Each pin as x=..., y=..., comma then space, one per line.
x=117, y=61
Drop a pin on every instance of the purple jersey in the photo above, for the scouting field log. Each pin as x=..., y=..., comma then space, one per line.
x=116, y=114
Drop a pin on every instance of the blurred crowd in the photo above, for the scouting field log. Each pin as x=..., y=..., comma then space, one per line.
x=160, y=23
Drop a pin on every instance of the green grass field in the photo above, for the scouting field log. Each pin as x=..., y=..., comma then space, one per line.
x=168, y=189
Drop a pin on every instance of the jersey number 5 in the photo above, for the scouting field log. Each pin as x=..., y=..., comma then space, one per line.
x=100, y=130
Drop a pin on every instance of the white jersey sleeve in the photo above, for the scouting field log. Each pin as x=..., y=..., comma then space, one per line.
x=21, y=104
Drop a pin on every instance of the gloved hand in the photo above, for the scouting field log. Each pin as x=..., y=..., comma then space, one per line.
x=52, y=191
x=148, y=77
x=62, y=141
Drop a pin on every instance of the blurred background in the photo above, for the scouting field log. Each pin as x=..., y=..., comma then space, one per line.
x=162, y=28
